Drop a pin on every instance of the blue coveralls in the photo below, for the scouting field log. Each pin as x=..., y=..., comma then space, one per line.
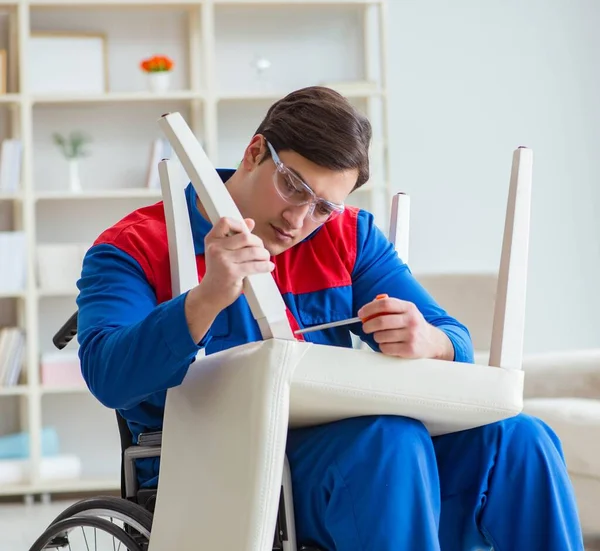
x=383, y=484
x=361, y=484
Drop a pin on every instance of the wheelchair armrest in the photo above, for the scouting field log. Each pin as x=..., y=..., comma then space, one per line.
x=129, y=456
x=150, y=438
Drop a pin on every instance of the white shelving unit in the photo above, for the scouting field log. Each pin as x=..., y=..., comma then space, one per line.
x=340, y=43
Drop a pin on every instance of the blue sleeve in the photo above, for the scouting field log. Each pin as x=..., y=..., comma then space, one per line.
x=130, y=347
x=378, y=269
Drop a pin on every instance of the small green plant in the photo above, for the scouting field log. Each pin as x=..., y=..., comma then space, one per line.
x=72, y=146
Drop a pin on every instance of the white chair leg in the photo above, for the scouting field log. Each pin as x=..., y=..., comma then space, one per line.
x=184, y=272
x=400, y=225
x=509, y=312
x=260, y=290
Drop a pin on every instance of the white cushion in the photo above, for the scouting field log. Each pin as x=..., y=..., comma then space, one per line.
x=225, y=427
x=470, y=297
x=576, y=421
x=336, y=383
x=587, y=493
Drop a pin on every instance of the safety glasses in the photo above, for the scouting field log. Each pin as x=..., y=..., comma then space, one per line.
x=294, y=191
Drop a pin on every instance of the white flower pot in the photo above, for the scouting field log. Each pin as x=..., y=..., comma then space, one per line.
x=159, y=81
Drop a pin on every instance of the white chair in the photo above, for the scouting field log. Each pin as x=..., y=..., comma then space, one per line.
x=227, y=422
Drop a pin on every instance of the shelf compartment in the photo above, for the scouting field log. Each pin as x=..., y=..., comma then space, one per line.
x=111, y=127
x=324, y=44
x=133, y=30
x=83, y=224
x=92, y=435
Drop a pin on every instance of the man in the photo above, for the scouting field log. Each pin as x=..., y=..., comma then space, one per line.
x=370, y=483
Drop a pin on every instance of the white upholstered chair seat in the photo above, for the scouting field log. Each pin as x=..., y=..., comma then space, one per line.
x=330, y=384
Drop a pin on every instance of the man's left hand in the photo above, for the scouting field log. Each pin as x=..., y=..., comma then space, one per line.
x=401, y=330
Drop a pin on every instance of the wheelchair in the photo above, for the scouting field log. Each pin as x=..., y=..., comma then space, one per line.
x=135, y=508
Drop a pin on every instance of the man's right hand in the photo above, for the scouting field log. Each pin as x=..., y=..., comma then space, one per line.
x=231, y=253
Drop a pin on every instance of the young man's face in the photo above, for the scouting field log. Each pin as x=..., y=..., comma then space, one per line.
x=279, y=223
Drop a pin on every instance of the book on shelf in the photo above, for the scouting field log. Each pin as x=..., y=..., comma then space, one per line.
x=13, y=262
x=12, y=349
x=10, y=165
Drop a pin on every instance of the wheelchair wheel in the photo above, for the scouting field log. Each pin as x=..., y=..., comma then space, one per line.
x=69, y=534
x=133, y=518
x=129, y=513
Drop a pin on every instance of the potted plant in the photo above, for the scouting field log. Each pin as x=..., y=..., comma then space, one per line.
x=72, y=147
x=158, y=68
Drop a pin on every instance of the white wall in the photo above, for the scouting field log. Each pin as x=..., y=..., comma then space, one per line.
x=469, y=82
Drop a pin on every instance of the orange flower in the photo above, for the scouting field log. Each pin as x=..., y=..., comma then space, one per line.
x=156, y=63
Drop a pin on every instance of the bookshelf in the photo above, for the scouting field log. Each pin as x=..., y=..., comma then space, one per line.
x=215, y=85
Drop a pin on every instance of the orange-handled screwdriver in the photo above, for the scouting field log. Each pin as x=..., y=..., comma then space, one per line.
x=341, y=322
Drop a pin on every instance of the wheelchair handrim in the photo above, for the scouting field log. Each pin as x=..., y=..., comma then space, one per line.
x=132, y=523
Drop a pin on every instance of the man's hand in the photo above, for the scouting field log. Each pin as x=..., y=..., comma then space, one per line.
x=403, y=331
x=231, y=253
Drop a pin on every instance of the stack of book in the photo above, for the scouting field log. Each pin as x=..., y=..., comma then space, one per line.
x=10, y=166
x=13, y=262
x=12, y=350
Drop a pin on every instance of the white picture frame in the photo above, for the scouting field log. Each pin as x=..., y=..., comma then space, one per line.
x=83, y=66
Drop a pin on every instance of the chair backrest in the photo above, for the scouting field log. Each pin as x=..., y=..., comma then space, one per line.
x=506, y=293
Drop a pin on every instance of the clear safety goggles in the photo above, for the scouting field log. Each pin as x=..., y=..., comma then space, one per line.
x=293, y=190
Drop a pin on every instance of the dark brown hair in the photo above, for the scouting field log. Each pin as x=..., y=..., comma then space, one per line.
x=323, y=126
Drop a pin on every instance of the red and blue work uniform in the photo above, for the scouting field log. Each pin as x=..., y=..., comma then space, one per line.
x=369, y=483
